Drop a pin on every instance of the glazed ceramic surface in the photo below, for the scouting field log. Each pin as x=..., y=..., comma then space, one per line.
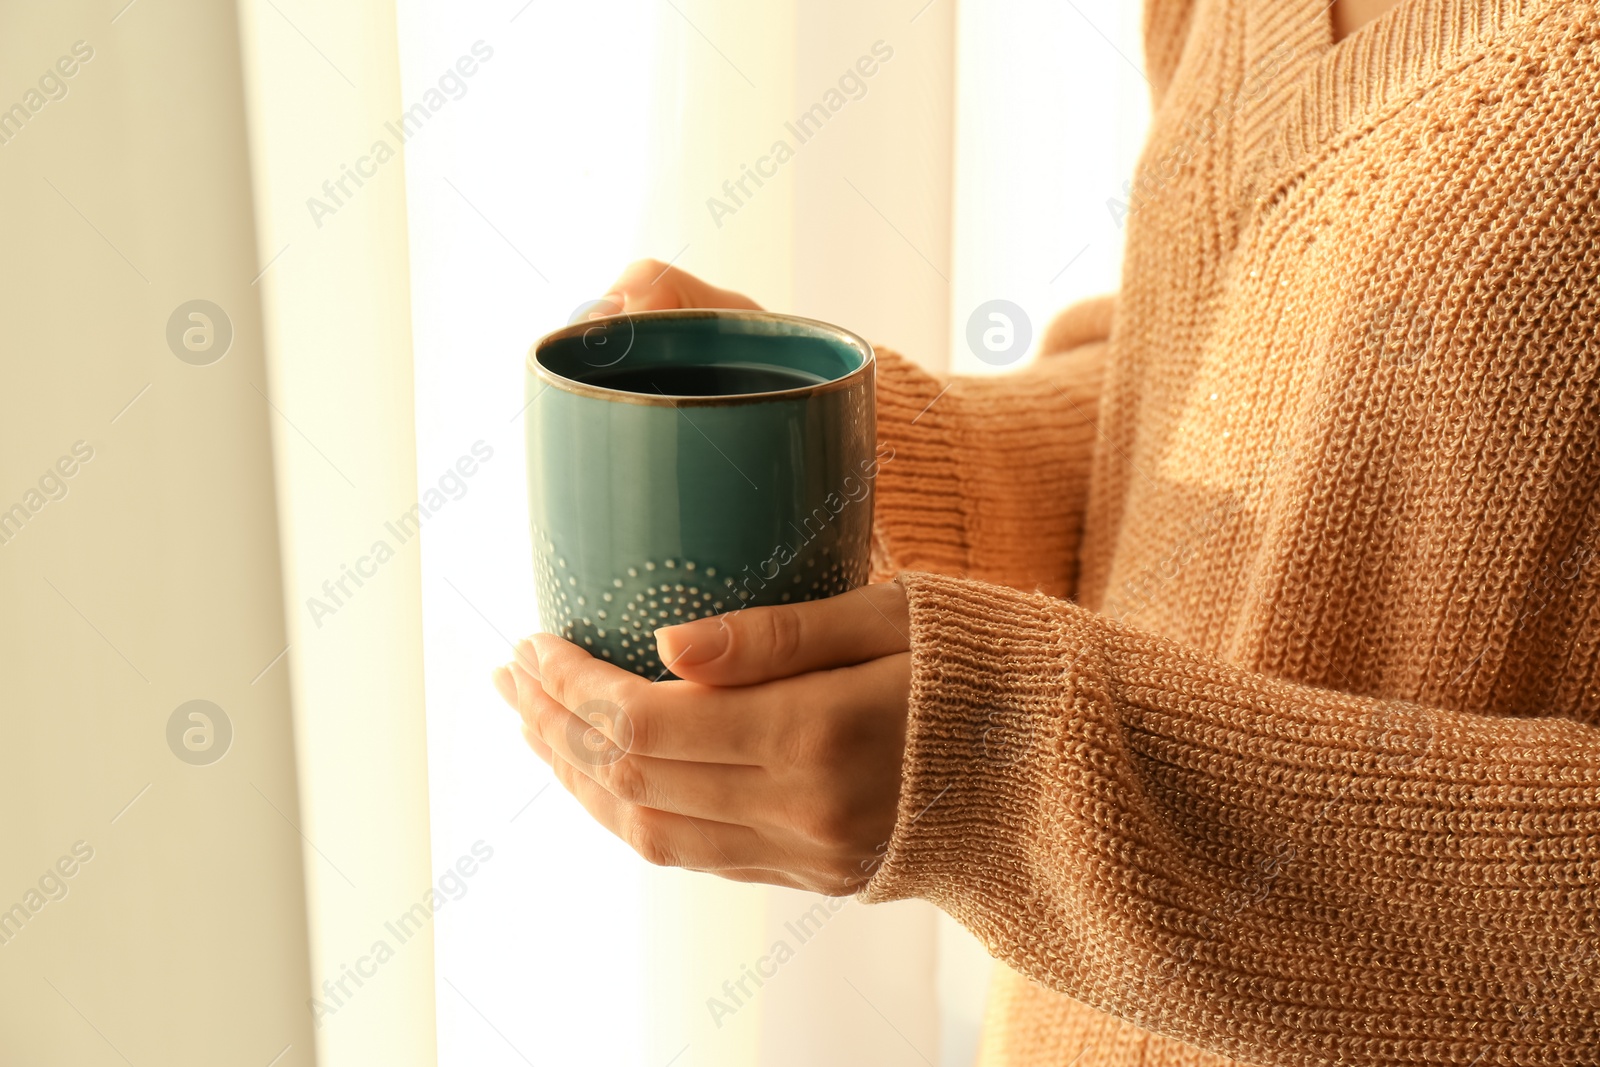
x=650, y=509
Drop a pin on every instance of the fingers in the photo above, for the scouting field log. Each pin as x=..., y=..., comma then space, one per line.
x=517, y=689
x=651, y=285
x=720, y=792
x=600, y=693
x=812, y=797
x=762, y=644
x=505, y=685
x=535, y=742
x=663, y=838
x=672, y=839
x=668, y=720
x=762, y=875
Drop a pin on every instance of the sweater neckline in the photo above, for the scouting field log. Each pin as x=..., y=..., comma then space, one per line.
x=1315, y=91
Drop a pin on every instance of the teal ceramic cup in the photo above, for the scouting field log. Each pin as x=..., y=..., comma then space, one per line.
x=687, y=463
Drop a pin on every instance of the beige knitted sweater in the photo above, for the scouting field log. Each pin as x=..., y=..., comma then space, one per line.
x=1256, y=691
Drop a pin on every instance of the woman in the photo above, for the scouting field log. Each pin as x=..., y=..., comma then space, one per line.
x=1240, y=683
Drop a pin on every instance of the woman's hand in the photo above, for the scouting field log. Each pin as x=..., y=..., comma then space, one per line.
x=776, y=758
x=651, y=285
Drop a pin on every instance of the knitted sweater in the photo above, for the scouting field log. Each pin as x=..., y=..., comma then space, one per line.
x=1255, y=707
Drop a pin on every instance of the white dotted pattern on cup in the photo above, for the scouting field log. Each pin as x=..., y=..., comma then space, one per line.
x=617, y=622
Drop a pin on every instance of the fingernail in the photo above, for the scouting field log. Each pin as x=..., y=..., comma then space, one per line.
x=617, y=300
x=536, y=744
x=692, y=643
x=528, y=657
x=505, y=683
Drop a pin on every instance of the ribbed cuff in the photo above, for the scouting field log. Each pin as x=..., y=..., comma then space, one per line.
x=990, y=681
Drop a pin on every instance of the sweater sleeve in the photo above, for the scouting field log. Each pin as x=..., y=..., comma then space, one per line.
x=1269, y=871
x=987, y=477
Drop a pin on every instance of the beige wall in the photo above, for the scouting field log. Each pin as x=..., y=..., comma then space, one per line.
x=155, y=579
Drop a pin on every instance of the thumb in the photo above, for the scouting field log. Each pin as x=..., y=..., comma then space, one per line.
x=763, y=644
x=651, y=285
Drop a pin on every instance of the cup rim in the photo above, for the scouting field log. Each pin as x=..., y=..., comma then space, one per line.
x=600, y=392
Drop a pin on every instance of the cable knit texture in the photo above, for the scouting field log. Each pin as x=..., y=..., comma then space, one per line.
x=1256, y=634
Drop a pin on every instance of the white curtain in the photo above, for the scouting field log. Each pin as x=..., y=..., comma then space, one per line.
x=967, y=166
x=323, y=88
